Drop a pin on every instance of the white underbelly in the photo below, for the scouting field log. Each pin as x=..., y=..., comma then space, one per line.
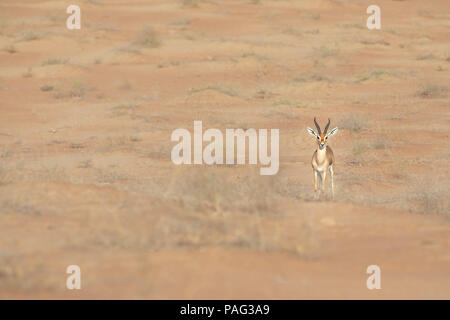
x=322, y=168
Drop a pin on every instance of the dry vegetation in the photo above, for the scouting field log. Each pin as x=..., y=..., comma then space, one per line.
x=85, y=170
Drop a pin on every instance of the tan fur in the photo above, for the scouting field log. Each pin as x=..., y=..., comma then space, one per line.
x=322, y=160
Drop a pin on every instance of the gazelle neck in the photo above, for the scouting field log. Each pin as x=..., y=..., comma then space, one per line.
x=321, y=153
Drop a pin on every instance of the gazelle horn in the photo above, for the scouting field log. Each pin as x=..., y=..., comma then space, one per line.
x=317, y=126
x=326, y=128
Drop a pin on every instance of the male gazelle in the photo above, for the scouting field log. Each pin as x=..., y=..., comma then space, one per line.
x=323, y=157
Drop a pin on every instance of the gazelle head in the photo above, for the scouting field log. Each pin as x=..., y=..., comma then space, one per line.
x=322, y=138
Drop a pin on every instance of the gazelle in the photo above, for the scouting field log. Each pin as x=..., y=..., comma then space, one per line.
x=323, y=157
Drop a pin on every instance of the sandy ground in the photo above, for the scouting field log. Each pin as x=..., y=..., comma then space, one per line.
x=85, y=170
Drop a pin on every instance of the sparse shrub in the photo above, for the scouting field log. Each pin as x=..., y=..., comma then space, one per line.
x=429, y=198
x=78, y=89
x=432, y=91
x=353, y=123
x=148, y=38
x=55, y=61
x=131, y=48
x=357, y=25
x=314, y=77
x=30, y=36
x=191, y=3
x=109, y=176
x=375, y=74
x=425, y=56
x=359, y=147
x=374, y=42
x=379, y=143
x=47, y=87
x=225, y=88
x=10, y=49
x=324, y=52
x=125, y=85
x=292, y=103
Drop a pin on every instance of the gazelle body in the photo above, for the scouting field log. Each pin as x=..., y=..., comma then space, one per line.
x=323, y=158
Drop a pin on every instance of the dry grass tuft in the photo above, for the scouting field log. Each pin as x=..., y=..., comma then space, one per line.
x=30, y=36
x=432, y=91
x=359, y=147
x=77, y=90
x=375, y=74
x=10, y=49
x=226, y=88
x=191, y=3
x=148, y=38
x=47, y=87
x=352, y=123
x=429, y=198
x=55, y=61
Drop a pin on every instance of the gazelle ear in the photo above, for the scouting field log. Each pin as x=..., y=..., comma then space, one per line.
x=311, y=132
x=332, y=132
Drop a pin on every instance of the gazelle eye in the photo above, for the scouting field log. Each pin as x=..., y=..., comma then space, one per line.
x=318, y=138
x=326, y=138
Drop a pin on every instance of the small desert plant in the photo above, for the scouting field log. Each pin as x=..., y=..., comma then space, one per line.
x=359, y=147
x=10, y=49
x=425, y=13
x=191, y=3
x=131, y=48
x=429, y=198
x=432, y=91
x=225, y=88
x=147, y=38
x=324, y=52
x=54, y=174
x=47, y=87
x=116, y=143
x=353, y=123
x=292, y=103
x=375, y=74
x=379, y=143
x=357, y=25
x=78, y=89
x=310, y=16
x=314, y=77
x=55, y=61
x=30, y=36
x=108, y=176
x=425, y=56
x=374, y=42
x=125, y=85
x=85, y=164
x=124, y=109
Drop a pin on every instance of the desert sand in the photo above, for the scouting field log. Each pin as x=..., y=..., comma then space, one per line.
x=85, y=171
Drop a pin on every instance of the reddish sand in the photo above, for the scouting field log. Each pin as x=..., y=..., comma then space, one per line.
x=86, y=176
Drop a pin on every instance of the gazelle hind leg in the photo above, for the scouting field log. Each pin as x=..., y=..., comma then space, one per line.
x=332, y=181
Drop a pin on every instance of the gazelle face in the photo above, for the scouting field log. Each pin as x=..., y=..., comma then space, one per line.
x=321, y=138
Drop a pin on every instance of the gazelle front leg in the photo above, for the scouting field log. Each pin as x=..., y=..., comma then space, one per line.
x=324, y=176
x=315, y=183
x=332, y=182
